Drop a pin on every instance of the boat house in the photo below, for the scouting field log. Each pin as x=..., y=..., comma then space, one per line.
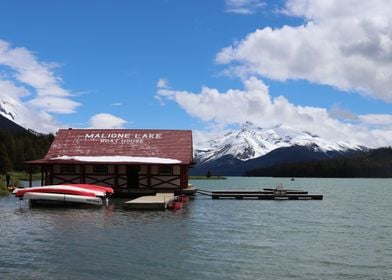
x=131, y=161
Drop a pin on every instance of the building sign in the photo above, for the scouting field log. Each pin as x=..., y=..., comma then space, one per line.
x=121, y=138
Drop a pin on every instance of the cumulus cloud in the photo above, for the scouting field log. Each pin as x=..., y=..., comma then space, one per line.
x=244, y=7
x=30, y=89
x=344, y=44
x=104, y=120
x=255, y=104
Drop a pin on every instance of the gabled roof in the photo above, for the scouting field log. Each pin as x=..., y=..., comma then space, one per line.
x=120, y=146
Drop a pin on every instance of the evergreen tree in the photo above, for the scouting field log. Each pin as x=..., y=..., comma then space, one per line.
x=375, y=163
x=5, y=162
x=17, y=146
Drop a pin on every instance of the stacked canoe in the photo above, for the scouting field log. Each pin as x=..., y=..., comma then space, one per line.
x=68, y=194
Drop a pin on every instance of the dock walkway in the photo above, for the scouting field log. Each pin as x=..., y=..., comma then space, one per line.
x=150, y=202
x=275, y=194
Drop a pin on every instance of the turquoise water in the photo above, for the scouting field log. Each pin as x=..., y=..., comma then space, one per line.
x=348, y=235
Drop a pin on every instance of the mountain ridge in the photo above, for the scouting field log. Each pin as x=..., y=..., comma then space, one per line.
x=253, y=147
x=10, y=115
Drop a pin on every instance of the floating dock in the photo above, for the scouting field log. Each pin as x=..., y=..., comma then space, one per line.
x=159, y=201
x=266, y=194
x=133, y=193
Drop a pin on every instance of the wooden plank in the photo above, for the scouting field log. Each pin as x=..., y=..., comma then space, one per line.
x=257, y=192
x=150, y=202
x=267, y=196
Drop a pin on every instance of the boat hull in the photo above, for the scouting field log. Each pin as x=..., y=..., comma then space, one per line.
x=37, y=198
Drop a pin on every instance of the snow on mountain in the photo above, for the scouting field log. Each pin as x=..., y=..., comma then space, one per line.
x=25, y=116
x=13, y=111
x=252, y=142
x=7, y=110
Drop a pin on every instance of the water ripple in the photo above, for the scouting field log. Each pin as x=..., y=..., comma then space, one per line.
x=345, y=236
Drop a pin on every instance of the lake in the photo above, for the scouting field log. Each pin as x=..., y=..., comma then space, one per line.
x=348, y=235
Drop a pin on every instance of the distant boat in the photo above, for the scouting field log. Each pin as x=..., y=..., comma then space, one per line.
x=71, y=194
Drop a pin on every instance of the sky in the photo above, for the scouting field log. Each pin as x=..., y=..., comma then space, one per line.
x=207, y=65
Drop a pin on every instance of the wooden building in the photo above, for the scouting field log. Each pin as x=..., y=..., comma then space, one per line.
x=130, y=161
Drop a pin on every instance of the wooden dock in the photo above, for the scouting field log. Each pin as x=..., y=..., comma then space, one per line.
x=268, y=194
x=134, y=193
x=150, y=202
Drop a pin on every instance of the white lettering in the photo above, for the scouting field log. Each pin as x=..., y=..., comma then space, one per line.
x=122, y=138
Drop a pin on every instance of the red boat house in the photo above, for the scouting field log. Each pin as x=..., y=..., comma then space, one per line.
x=131, y=161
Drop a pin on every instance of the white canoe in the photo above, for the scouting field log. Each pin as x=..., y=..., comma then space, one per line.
x=66, y=198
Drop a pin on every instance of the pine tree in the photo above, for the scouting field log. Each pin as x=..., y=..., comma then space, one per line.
x=5, y=162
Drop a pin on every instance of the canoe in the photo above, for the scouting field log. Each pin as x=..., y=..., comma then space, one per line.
x=62, y=198
x=68, y=194
x=109, y=191
x=61, y=189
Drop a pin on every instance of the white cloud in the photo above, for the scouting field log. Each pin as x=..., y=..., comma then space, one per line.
x=31, y=90
x=344, y=44
x=255, y=104
x=244, y=7
x=337, y=112
x=377, y=119
x=116, y=104
x=163, y=83
x=104, y=120
x=54, y=104
x=9, y=88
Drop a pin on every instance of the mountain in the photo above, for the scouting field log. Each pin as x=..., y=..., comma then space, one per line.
x=9, y=115
x=7, y=124
x=254, y=147
x=18, y=143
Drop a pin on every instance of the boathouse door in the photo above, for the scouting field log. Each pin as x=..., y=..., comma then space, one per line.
x=132, y=177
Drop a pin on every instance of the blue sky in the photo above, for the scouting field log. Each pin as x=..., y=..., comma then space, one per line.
x=201, y=65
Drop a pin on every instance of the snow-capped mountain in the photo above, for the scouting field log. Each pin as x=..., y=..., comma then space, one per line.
x=252, y=146
x=11, y=114
x=16, y=115
x=252, y=142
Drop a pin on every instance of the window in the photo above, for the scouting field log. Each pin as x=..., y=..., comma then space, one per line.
x=165, y=170
x=68, y=169
x=100, y=169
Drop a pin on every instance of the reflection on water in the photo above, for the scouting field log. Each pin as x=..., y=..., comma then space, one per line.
x=26, y=184
x=345, y=236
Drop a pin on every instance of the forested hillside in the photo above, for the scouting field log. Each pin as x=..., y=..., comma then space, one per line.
x=16, y=147
x=375, y=163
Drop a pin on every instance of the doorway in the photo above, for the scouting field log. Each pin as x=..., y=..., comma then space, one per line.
x=132, y=177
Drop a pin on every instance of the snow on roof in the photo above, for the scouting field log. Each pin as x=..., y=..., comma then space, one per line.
x=107, y=159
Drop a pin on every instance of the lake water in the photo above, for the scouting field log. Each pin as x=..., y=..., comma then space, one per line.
x=348, y=235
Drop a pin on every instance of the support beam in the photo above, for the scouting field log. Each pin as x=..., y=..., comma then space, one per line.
x=149, y=176
x=30, y=176
x=42, y=175
x=82, y=168
x=115, y=176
